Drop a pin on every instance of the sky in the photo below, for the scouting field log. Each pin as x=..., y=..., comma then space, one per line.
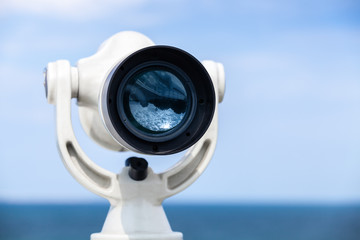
x=289, y=125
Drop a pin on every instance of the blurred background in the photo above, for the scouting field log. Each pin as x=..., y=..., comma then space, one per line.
x=287, y=164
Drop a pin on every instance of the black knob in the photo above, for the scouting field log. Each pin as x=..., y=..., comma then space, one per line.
x=138, y=168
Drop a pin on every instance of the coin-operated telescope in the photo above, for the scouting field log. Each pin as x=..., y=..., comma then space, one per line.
x=136, y=96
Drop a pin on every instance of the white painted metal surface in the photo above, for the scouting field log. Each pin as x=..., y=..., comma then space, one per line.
x=136, y=211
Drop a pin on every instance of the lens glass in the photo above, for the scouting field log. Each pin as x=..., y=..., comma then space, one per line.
x=155, y=101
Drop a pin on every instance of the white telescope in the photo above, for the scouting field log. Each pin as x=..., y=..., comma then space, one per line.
x=136, y=96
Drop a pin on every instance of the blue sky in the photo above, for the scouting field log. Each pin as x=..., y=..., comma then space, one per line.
x=289, y=124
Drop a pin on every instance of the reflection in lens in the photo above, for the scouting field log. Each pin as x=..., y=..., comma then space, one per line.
x=157, y=100
x=153, y=118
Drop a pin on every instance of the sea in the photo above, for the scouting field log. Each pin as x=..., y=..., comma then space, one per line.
x=195, y=221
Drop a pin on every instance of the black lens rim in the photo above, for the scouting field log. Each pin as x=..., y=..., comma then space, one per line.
x=204, y=91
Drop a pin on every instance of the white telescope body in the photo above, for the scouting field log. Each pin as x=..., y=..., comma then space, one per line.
x=132, y=62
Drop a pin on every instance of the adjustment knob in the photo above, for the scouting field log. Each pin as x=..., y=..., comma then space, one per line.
x=138, y=168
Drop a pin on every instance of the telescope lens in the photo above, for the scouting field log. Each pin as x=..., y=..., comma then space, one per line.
x=158, y=100
x=155, y=102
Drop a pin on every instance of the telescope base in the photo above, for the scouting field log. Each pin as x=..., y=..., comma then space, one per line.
x=139, y=236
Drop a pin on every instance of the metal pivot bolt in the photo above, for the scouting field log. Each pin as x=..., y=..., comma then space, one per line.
x=138, y=168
